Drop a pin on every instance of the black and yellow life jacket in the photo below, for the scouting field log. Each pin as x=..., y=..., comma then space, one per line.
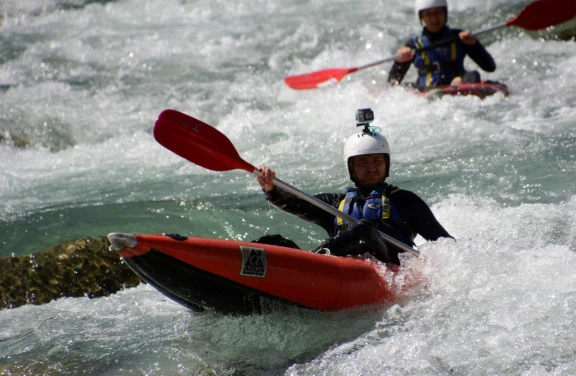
x=438, y=66
x=376, y=206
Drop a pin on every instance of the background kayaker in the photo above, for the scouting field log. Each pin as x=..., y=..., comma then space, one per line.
x=377, y=204
x=443, y=65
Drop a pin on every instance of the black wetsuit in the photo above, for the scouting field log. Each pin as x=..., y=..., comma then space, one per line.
x=476, y=51
x=416, y=216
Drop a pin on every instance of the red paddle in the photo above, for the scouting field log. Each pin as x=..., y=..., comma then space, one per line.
x=537, y=15
x=207, y=147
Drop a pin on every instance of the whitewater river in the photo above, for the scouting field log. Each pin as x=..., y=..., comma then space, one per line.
x=82, y=82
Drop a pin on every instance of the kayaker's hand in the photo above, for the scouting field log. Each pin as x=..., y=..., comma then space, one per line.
x=405, y=54
x=467, y=38
x=266, y=181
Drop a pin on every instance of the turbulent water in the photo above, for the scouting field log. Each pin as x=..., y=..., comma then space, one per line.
x=82, y=82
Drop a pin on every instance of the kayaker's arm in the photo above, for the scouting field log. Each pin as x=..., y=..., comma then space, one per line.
x=289, y=203
x=475, y=50
x=397, y=73
x=292, y=204
x=480, y=56
x=417, y=213
x=399, y=69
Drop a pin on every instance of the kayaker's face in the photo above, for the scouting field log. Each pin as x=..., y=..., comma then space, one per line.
x=369, y=170
x=434, y=19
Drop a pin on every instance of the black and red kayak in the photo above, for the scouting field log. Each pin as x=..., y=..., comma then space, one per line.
x=236, y=277
x=479, y=89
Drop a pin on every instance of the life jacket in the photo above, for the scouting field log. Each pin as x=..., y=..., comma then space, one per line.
x=440, y=65
x=376, y=206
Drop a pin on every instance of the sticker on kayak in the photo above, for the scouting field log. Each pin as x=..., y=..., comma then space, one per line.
x=253, y=262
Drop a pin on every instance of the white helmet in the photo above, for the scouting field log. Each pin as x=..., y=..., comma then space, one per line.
x=427, y=4
x=366, y=143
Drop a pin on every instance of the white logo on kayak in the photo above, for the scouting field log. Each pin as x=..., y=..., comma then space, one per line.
x=254, y=262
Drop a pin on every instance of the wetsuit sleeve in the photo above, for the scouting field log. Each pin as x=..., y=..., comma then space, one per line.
x=481, y=56
x=398, y=70
x=478, y=53
x=414, y=211
x=289, y=203
x=397, y=73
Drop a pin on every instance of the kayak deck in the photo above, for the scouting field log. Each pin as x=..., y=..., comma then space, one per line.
x=479, y=89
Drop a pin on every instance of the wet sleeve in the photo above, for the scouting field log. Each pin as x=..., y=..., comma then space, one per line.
x=397, y=73
x=399, y=70
x=480, y=56
x=413, y=210
x=292, y=204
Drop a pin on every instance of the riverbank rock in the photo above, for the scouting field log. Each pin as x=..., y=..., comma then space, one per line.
x=566, y=31
x=81, y=267
x=568, y=34
x=18, y=142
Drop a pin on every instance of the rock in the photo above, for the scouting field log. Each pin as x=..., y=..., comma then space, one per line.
x=81, y=267
x=27, y=368
x=15, y=141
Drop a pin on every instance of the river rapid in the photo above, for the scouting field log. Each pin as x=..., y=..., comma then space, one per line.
x=82, y=82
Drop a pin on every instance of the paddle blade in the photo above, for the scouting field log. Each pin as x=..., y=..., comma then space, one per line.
x=197, y=142
x=541, y=14
x=315, y=80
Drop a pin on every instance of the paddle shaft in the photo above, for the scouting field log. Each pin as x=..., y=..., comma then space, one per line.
x=332, y=210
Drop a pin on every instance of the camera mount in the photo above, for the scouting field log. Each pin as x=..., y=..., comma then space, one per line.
x=364, y=117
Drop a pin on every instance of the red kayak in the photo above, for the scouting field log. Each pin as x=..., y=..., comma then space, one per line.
x=480, y=89
x=245, y=277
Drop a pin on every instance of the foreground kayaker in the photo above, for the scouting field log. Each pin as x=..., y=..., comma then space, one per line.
x=443, y=65
x=377, y=204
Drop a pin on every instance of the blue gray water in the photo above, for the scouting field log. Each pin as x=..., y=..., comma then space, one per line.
x=82, y=82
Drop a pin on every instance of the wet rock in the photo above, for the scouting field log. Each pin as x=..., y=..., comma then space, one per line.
x=18, y=142
x=566, y=31
x=27, y=368
x=81, y=267
x=568, y=34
